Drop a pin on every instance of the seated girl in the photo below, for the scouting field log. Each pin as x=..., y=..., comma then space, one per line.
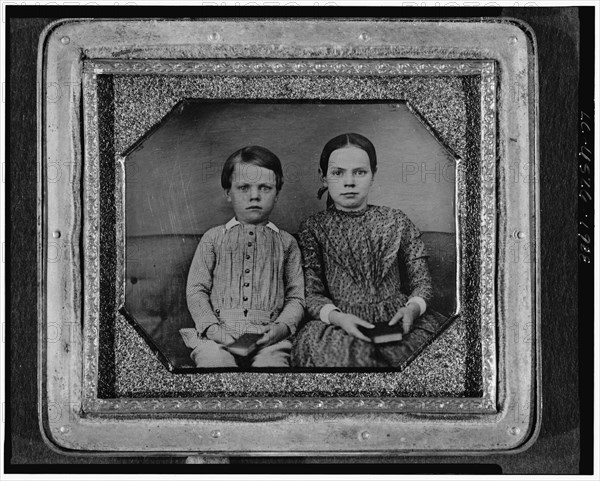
x=355, y=256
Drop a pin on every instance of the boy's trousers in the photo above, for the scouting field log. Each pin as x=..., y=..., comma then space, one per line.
x=212, y=354
x=208, y=353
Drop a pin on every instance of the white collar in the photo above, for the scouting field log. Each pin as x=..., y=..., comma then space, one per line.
x=233, y=222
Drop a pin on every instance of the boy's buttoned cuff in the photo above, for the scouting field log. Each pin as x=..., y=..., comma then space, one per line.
x=325, y=311
x=421, y=303
x=292, y=326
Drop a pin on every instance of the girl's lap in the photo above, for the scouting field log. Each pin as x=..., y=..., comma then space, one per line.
x=318, y=344
x=322, y=345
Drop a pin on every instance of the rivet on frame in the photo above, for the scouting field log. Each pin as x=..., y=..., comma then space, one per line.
x=213, y=37
x=517, y=234
x=512, y=40
x=216, y=434
x=364, y=36
x=56, y=234
x=514, y=430
x=65, y=40
x=65, y=429
x=365, y=435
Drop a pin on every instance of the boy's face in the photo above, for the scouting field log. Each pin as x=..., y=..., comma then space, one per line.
x=253, y=193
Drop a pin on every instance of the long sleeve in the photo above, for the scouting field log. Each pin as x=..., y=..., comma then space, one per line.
x=200, y=283
x=293, y=307
x=317, y=294
x=414, y=256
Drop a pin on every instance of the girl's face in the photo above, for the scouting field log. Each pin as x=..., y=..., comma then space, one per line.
x=349, y=178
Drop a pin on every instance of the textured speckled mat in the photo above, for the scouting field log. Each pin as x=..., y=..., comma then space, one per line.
x=131, y=105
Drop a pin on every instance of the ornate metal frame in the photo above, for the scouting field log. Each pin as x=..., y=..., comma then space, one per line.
x=505, y=418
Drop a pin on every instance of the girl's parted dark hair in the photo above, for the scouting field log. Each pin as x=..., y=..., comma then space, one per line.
x=254, y=155
x=345, y=140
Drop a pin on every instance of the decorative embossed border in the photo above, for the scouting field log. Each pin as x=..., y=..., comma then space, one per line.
x=73, y=53
x=378, y=68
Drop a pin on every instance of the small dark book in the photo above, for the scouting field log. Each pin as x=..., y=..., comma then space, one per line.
x=383, y=333
x=244, y=345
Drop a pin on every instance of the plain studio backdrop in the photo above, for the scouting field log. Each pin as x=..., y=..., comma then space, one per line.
x=173, y=176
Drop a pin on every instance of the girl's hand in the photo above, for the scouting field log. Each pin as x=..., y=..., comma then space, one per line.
x=407, y=314
x=350, y=323
x=219, y=334
x=277, y=332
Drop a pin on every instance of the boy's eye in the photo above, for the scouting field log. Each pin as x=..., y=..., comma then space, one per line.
x=336, y=173
x=243, y=188
x=266, y=188
x=360, y=173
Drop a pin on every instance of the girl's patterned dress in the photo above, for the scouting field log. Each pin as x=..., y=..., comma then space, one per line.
x=366, y=263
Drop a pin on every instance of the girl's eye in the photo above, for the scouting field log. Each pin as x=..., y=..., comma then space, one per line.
x=361, y=173
x=266, y=188
x=243, y=188
x=336, y=173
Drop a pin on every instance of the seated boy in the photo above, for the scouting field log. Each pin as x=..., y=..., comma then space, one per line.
x=246, y=275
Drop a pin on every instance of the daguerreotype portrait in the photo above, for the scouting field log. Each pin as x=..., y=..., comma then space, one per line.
x=296, y=236
x=178, y=286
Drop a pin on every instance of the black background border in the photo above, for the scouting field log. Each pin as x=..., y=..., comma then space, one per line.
x=565, y=37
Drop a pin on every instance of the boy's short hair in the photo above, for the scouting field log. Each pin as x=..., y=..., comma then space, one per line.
x=254, y=155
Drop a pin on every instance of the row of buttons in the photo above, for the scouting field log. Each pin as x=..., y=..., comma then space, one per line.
x=247, y=271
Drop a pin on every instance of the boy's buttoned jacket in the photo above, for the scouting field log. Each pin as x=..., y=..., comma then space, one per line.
x=246, y=273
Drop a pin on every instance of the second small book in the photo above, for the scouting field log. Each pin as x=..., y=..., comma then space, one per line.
x=383, y=333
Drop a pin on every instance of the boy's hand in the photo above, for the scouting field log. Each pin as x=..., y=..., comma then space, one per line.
x=350, y=323
x=277, y=332
x=407, y=314
x=219, y=334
